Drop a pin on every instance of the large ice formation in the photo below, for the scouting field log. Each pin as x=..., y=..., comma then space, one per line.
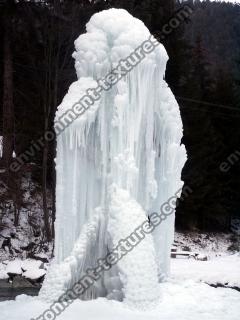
x=116, y=163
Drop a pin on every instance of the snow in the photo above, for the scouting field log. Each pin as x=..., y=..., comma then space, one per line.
x=184, y=296
x=3, y=273
x=221, y=270
x=210, y=244
x=29, y=264
x=183, y=300
x=26, y=238
x=29, y=268
x=14, y=267
x=127, y=140
x=232, y=1
x=34, y=274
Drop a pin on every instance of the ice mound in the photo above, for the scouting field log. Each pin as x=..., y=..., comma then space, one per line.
x=118, y=161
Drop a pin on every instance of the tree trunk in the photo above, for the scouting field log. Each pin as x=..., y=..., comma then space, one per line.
x=48, y=232
x=44, y=186
x=8, y=109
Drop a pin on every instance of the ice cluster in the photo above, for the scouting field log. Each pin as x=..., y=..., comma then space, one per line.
x=116, y=163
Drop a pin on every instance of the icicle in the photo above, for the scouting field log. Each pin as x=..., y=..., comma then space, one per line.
x=117, y=162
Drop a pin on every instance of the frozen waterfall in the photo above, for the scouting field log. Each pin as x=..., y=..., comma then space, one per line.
x=116, y=163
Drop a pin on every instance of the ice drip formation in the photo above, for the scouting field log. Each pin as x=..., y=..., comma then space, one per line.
x=116, y=163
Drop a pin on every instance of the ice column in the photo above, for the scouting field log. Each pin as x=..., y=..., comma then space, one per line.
x=116, y=163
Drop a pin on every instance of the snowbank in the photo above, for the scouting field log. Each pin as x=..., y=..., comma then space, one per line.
x=180, y=300
x=30, y=269
x=222, y=270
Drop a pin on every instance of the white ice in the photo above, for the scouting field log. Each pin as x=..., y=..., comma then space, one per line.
x=116, y=163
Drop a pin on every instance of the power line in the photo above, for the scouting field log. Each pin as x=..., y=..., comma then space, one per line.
x=208, y=103
x=211, y=111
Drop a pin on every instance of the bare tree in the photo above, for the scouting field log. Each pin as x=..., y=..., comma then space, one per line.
x=8, y=107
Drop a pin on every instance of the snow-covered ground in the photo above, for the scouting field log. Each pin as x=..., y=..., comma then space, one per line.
x=210, y=244
x=185, y=296
x=222, y=270
x=181, y=298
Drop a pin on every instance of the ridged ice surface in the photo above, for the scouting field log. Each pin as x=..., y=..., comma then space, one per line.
x=115, y=164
